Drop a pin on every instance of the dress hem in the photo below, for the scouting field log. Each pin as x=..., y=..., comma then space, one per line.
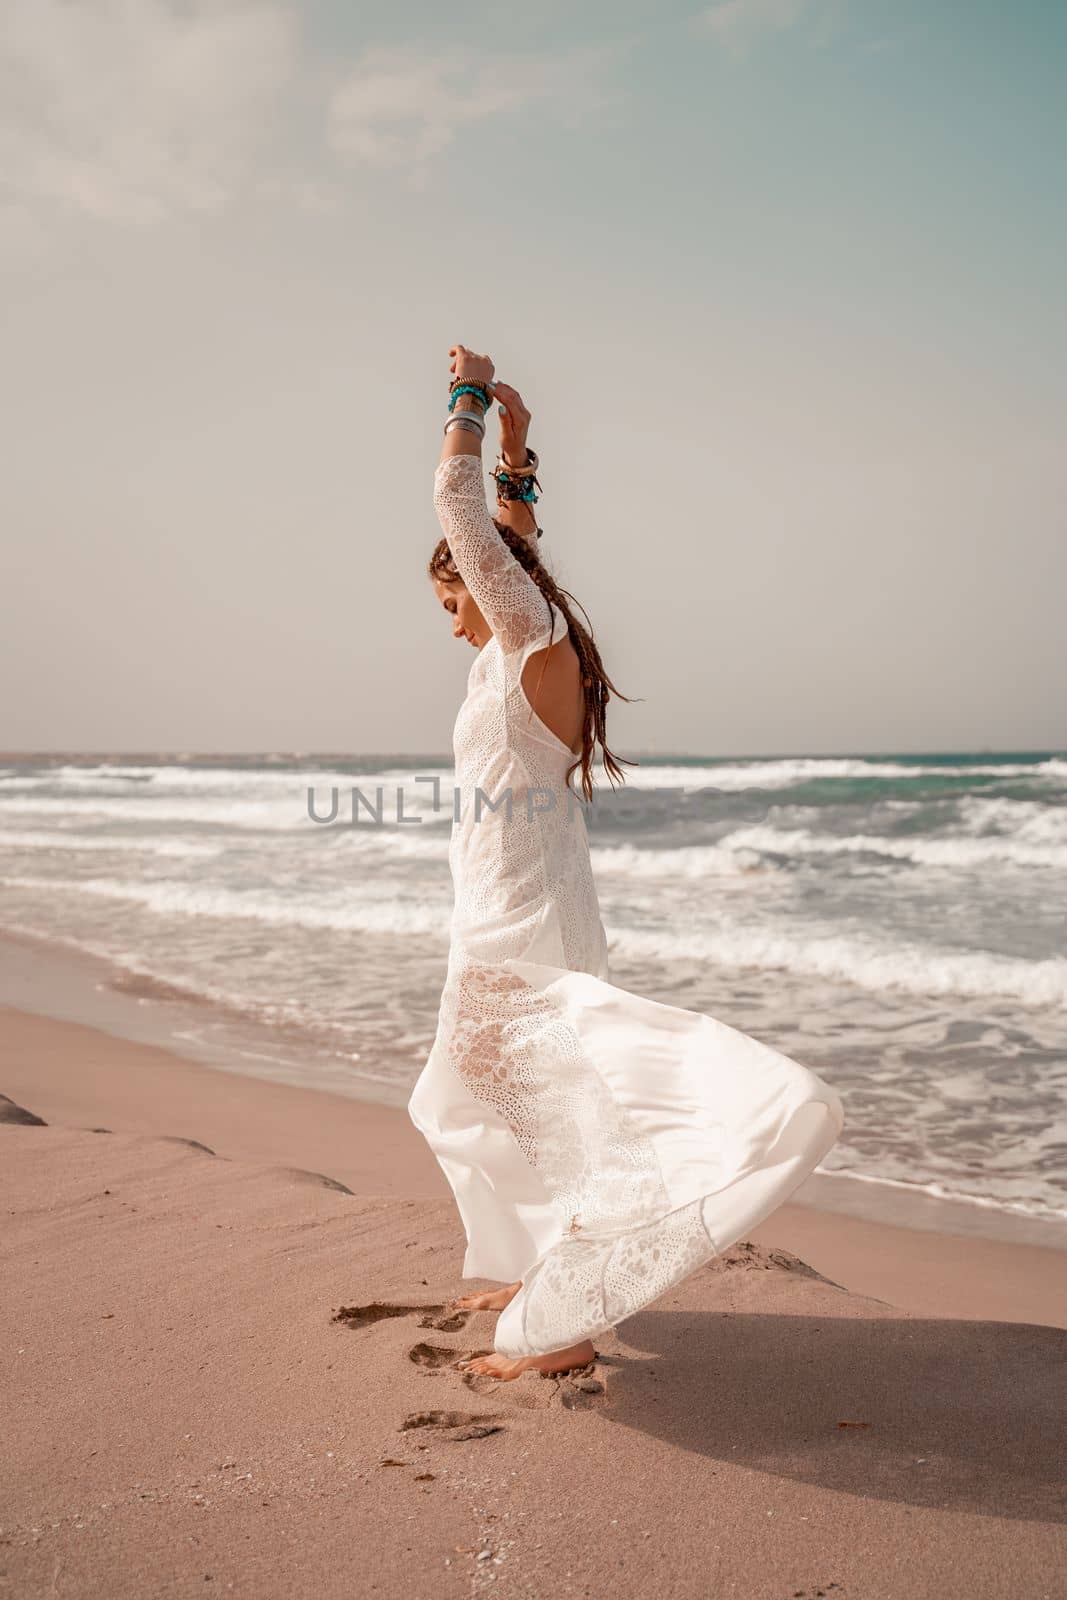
x=779, y=1181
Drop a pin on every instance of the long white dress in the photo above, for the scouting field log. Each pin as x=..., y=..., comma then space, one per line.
x=600, y=1146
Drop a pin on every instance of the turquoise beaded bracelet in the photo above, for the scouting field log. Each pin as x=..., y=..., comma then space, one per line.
x=469, y=388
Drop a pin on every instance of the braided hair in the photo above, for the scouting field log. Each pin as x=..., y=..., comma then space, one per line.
x=597, y=687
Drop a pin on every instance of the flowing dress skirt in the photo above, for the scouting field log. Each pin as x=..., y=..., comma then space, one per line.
x=725, y=1129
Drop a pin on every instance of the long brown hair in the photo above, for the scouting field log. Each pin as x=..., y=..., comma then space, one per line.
x=597, y=687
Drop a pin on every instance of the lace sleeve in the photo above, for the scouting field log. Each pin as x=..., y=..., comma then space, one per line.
x=509, y=600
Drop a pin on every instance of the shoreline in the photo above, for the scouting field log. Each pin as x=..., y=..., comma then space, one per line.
x=64, y=984
x=79, y=1077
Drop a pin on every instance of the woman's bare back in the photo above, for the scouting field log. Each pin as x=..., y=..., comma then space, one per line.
x=551, y=681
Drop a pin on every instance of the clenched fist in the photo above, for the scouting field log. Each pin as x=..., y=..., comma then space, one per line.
x=466, y=364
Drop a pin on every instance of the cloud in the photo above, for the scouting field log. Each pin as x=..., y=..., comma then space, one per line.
x=141, y=111
x=735, y=23
x=135, y=110
x=399, y=107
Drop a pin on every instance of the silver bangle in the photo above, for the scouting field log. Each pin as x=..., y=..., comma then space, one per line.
x=467, y=411
x=468, y=424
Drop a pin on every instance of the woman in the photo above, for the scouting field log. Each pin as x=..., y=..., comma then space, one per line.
x=600, y=1146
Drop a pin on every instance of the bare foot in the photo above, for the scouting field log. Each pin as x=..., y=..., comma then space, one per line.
x=487, y=1300
x=495, y=1365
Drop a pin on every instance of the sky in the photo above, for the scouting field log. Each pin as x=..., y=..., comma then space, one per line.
x=780, y=280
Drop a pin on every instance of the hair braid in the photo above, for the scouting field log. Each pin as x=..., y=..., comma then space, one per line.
x=597, y=687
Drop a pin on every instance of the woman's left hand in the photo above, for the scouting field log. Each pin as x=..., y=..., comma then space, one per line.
x=514, y=424
x=468, y=364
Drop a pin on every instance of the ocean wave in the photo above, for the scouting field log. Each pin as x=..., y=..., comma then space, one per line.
x=786, y=772
x=182, y=849
x=339, y=910
x=267, y=815
x=1038, y=840
x=149, y=780
x=924, y=852
x=421, y=845
x=685, y=861
x=756, y=772
x=1032, y=821
x=915, y=969
x=938, y=1189
x=259, y=814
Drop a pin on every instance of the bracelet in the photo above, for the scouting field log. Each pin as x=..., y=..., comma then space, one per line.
x=526, y=481
x=469, y=411
x=482, y=407
x=513, y=492
x=478, y=383
x=514, y=483
x=529, y=470
x=475, y=389
x=466, y=424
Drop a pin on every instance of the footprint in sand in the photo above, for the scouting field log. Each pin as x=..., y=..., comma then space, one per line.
x=443, y=1319
x=432, y=1355
x=455, y=1424
x=440, y=1318
x=578, y=1392
x=536, y=1391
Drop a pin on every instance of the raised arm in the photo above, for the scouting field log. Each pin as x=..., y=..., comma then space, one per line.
x=504, y=592
x=514, y=427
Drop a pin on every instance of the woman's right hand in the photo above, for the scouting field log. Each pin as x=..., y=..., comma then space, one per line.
x=514, y=424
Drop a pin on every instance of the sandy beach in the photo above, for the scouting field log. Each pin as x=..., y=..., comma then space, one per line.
x=535, y=721
x=229, y=1368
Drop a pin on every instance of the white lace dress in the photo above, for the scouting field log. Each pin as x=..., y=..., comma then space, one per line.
x=600, y=1146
